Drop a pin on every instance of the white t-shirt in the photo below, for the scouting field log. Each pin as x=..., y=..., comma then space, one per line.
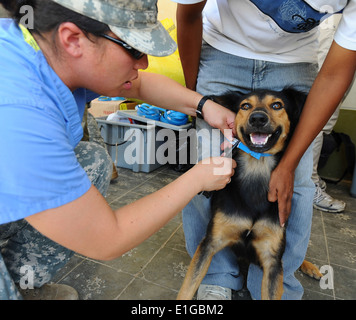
x=284, y=31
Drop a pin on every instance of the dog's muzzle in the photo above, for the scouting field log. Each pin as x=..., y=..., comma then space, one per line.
x=258, y=119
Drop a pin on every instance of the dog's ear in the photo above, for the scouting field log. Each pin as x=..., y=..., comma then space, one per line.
x=296, y=99
x=230, y=100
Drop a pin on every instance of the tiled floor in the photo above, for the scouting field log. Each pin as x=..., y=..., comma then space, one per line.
x=156, y=268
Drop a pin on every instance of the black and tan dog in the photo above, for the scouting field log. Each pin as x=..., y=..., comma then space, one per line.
x=242, y=217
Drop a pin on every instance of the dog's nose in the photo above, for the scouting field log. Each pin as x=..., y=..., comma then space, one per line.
x=258, y=119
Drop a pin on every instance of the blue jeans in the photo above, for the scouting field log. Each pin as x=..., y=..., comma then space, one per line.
x=218, y=73
x=23, y=246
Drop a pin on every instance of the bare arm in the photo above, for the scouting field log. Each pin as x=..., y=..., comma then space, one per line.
x=89, y=226
x=325, y=95
x=189, y=36
x=164, y=92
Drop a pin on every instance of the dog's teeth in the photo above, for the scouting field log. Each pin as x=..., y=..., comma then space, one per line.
x=259, y=138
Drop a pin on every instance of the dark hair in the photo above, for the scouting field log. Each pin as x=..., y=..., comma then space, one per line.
x=49, y=15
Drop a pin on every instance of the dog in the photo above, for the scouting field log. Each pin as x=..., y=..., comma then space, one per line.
x=242, y=216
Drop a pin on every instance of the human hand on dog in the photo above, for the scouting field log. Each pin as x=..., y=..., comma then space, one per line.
x=220, y=117
x=214, y=173
x=281, y=189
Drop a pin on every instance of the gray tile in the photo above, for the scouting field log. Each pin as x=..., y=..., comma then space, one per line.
x=317, y=223
x=168, y=268
x=347, y=217
x=177, y=241
x=317, y=249
x=165, y=233
x=136, y=259
x=149, y=187
x=341, y=191
x=73, y=263
x=95, y=281
x=339, y=230
x=313, y=295
x=124, y=200
x=344, y=282
x=163, y=179
x=139, y=176
x=140, y=289
x=342, y=254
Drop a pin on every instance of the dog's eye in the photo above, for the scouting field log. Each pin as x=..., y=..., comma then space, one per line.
x=276, y=105
x=245, y=106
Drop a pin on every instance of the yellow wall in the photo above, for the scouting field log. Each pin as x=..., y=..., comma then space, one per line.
x=167, y=9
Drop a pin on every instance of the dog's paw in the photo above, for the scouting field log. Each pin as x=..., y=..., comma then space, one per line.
x=311, y=270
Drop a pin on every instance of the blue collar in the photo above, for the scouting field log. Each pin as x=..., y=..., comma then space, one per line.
x=238, y=144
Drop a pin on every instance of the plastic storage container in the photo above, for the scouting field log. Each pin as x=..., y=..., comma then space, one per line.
x=140, y=146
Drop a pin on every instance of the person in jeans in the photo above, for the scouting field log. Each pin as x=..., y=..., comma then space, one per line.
x=247, y=45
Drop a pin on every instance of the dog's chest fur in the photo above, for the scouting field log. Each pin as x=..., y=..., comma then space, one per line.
x=249, y=168
x=247, y=193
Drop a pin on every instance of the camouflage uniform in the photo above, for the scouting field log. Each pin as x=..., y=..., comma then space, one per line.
x=23, y=246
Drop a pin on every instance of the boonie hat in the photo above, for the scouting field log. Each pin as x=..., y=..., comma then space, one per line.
x=133, y=21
